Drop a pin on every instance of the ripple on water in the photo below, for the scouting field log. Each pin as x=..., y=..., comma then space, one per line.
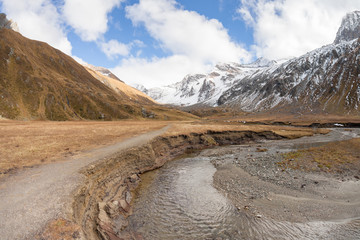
x=178, y=201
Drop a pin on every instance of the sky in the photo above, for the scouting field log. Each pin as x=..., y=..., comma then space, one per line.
x=159, y=42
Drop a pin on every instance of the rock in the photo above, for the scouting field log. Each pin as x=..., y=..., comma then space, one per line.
x=134, y=178
x=124, y=205
x=147, y=114
x=112, y=209
x=128, y=197
x=350, y=28
x=9, y=24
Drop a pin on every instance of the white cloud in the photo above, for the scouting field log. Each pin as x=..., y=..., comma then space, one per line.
x=158, y=71
x=39, y=20
x=186, y=32
x=284, y=28
x=89, y=18
x=193, y=42
x=113, y=49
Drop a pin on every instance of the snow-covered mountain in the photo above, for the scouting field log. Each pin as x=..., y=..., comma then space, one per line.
x=206, y=88
x=323, y=80
x=350, y=28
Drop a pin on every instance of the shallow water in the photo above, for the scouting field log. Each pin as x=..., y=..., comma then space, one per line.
x=178, y=201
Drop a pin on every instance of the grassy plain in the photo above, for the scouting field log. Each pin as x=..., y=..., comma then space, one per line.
x=25, y=144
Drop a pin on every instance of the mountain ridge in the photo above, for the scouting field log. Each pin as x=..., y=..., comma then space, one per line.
x=106, y=77
x=325, y=80
x=205, y=88
x=349, y=28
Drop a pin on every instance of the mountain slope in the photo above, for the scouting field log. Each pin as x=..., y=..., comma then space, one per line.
x=38, y=81
x=326, y=80
x=205, y=88
x=112, y=81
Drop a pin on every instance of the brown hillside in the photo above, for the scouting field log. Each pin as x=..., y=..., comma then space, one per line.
x=120, y=87
x=38, y=81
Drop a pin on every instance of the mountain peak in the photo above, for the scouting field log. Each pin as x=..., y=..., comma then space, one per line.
x=261, y=62
x=9, y=24
x=350, y=27
x=104, y=71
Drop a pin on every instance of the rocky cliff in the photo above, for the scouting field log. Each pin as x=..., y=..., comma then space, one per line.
x=349, y=29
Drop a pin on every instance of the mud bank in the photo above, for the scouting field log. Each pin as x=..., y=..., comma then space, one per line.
x=103, y=202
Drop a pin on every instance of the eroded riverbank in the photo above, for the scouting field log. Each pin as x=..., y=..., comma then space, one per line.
x=255, y=198
x=102, y=205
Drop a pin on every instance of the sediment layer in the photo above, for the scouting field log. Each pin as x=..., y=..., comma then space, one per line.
x=103, y=202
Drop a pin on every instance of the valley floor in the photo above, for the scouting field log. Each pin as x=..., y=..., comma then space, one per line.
x=25, y=144
x=40, y=162
x=31, y=198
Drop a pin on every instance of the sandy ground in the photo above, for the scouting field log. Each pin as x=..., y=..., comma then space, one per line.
x=251, y=178
x=31, y=198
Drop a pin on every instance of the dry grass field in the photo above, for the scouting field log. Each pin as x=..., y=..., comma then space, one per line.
x=333, y=157
x=25, y=144
x=198, y=127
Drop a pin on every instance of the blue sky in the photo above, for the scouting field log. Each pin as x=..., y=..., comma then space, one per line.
x=158, y=42
x=122, y=29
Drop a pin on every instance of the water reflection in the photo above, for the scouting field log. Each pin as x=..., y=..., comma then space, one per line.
x=179, y=202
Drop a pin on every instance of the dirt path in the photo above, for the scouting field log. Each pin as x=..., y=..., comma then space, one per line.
x=32, y=197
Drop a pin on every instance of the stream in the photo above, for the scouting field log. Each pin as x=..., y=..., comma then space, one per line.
x=178, y=201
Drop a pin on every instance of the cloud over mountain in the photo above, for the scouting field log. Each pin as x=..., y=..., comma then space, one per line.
x=284, y=28
x=193, y=41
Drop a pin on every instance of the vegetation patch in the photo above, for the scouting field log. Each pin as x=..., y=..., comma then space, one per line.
x=333, y=157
